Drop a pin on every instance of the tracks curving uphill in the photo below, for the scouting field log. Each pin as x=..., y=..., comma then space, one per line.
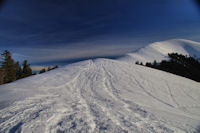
x=104, y=96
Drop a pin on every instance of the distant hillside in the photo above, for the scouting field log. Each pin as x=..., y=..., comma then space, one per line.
x=159, y=50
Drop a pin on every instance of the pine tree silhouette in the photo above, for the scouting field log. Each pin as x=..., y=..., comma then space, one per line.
x=26, y=71
x=8, y=65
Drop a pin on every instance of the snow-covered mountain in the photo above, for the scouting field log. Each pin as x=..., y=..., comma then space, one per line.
x=159, y=50
x=104, y=95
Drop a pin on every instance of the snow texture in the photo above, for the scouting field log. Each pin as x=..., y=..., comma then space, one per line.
x=105, y=96
x=159, y=50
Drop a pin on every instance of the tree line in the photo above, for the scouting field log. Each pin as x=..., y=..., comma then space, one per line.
x=11, y=71
x=49, y=69
x=182, y=65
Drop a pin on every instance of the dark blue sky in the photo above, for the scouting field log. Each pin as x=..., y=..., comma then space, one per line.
x=54, y=30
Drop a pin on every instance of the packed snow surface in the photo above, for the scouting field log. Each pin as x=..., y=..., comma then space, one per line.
x=104, y=95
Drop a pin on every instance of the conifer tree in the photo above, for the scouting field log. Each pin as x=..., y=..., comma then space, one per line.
x=18, y=70
x=2, y=75
x=49, y=69
x=8, y=65
x=56, y=66
x=179, y=64
x=26, y=71
x=42, y=71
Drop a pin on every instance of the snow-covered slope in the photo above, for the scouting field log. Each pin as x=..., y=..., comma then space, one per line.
x=159, y=50
x=102, y=95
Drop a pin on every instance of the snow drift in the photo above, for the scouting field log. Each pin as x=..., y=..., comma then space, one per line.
x=105, y=95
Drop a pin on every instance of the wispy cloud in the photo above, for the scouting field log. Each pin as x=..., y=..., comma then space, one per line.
x=35, y=55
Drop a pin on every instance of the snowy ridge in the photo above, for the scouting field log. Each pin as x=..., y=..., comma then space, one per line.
x=101, y=95
x=159, y=50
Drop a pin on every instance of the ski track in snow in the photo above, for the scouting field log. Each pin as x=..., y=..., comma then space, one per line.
x=104, y=96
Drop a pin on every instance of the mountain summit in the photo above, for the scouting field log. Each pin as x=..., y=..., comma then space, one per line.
x=159, y=50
